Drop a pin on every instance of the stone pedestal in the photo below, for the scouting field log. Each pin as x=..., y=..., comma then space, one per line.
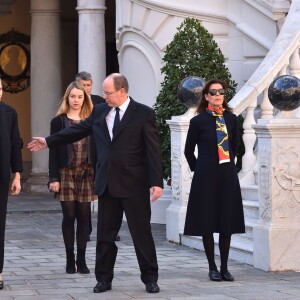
x=181, y=176
x=277, y=235
x=159, y=207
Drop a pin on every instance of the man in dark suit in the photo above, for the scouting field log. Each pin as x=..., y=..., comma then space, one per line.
x=85, y=78
x=87, y=81
x=128, y=165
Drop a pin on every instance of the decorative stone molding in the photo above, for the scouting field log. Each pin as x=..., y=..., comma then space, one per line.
x=176, y=170
x=277, y=235
x=181, y=176
x=264, y=178
x=287, y=180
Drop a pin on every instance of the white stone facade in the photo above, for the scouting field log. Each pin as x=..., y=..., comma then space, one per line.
x=244, y=31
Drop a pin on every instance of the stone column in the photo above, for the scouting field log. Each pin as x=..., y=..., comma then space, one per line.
x=277, y=235
x=181, y=176
x=45, y=80
x=91, y=41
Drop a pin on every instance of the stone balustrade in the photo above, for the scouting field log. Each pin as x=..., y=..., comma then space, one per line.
x=283, y=58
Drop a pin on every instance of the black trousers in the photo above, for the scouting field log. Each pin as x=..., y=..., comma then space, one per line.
x=4, y=187
x=110, y=215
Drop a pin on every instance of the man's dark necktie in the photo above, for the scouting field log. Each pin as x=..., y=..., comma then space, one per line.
x=116, y=121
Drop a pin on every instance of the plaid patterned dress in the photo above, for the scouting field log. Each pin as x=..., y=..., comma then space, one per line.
x=77, y=181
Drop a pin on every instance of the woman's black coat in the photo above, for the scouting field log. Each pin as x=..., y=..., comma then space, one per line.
x=215, y=202
x=61, y=157
x=10, y=143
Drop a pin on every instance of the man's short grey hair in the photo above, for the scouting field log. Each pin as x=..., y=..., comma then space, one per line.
x=83, y=76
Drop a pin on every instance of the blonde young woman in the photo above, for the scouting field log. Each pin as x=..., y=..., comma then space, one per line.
x=71, y=176
x=10, y=160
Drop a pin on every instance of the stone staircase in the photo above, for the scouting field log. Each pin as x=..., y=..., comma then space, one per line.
x=241, y=244
x=282, y=59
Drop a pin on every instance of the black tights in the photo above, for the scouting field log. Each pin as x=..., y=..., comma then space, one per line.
x=80, y=211
x=209, y=247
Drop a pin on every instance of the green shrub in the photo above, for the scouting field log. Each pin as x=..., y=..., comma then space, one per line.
x=193, y=52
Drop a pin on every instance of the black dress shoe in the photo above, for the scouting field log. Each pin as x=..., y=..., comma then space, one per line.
x=214, y=276
x=226, y=276
x=152, y=287
x=102, y=286
x=1, y=285
x=117, y=239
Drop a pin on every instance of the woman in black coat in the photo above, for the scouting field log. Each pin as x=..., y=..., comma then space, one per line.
x=215, y=202
x=10, y=160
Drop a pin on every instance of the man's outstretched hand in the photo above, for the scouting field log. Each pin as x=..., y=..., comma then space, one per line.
x=37, y=144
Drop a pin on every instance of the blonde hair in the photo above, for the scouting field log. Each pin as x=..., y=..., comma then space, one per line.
x=87, y=105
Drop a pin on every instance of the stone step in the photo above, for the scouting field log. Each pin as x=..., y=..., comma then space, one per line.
x=250, y=223
x=255, y=175
x=250, y=192
x=251, y=209
x=241, y=248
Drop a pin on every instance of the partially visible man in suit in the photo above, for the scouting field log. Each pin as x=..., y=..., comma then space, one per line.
x=129, y=164
x=87, y=81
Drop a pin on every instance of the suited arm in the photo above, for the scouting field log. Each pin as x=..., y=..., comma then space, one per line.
x=55, y=126
x=153, y=152
x=16, y=146
x=190, y=145
x=71, y=134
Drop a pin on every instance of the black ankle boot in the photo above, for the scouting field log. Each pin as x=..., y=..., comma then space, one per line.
x=81, y=263
x=70, y=266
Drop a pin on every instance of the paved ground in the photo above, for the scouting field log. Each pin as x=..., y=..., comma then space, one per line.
x=35, y=264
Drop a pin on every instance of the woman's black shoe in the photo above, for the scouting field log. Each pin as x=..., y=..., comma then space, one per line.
x=70, y=266
x=70, y=270
x=82, y=268
x=214, y=276
x=226, y=276
x=81, y=263
x=1, y=285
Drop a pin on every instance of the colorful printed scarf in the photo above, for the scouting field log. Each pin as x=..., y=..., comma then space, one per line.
x=222, y=134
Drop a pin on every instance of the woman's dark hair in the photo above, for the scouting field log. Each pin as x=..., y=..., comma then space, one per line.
x=203, y=103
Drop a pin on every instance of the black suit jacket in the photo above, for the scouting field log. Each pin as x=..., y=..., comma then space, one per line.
x=97, y=99
x=10, y=143
x=128, y=164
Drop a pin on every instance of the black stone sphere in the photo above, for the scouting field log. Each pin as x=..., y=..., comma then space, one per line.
x=189, y=90
x=284, y=93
